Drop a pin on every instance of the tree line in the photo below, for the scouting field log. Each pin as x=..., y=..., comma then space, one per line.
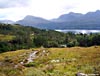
x=29, y=37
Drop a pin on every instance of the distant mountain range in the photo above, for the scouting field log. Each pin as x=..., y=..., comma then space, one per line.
x=90, y=20
x=7, y=21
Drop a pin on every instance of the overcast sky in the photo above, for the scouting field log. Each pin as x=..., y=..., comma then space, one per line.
x=18, y=9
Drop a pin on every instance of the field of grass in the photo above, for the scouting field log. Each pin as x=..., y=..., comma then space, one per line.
x=55, y=62
x=6, y=37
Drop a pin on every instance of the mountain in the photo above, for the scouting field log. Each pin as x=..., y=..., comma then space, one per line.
x=32, y=21
x=90, y=16
x=68, y=17
x=6, y=21
x=90, y=20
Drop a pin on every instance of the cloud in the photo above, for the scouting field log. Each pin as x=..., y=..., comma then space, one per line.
x=69, y=7
x=14, y=13
x=18, y=9
x=13, y=3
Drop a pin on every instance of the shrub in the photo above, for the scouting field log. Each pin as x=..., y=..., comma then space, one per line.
x=70, y=44
x=8, y=59
x=31, y=64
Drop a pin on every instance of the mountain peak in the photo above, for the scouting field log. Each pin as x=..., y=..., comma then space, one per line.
x=32, y=20
x=35, y=19
x=72, y=13
x=29, y=17
x=68, y=17
x=7, y=21
x=98, y=11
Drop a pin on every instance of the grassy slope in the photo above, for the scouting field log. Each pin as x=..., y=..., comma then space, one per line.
x=6, y=37
x=72, y=60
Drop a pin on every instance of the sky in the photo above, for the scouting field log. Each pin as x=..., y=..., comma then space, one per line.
x=48, y=9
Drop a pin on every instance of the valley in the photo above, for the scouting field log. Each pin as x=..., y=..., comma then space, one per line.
x=49, y=37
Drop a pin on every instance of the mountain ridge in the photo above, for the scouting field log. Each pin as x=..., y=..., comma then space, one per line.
x=7, y=21
x=90, y=20
x=31, y=21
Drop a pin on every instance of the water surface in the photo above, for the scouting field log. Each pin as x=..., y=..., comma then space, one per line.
x=79, y=31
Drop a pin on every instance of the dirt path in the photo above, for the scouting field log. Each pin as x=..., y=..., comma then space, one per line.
x=32, y=56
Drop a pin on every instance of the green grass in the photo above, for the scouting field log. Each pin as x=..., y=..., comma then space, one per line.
x=6, y=37
x=71, y=61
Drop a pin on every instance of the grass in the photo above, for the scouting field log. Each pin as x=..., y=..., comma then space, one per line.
x=15, y=56
x=6, y=37
x=71, y=61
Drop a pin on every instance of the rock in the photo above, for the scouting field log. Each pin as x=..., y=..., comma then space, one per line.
x=55, y=61
x=81, y=74
x=31, y=57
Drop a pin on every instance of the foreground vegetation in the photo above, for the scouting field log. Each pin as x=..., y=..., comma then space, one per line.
x=53, y=62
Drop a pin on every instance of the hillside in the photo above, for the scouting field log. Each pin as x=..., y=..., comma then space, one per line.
x=51, y=62
x=13, y=37
x=28, y=51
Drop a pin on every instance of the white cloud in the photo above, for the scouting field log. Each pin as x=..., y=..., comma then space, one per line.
x=13, y=13
x=84, y=6
x=47, y=8
x=13, y=3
